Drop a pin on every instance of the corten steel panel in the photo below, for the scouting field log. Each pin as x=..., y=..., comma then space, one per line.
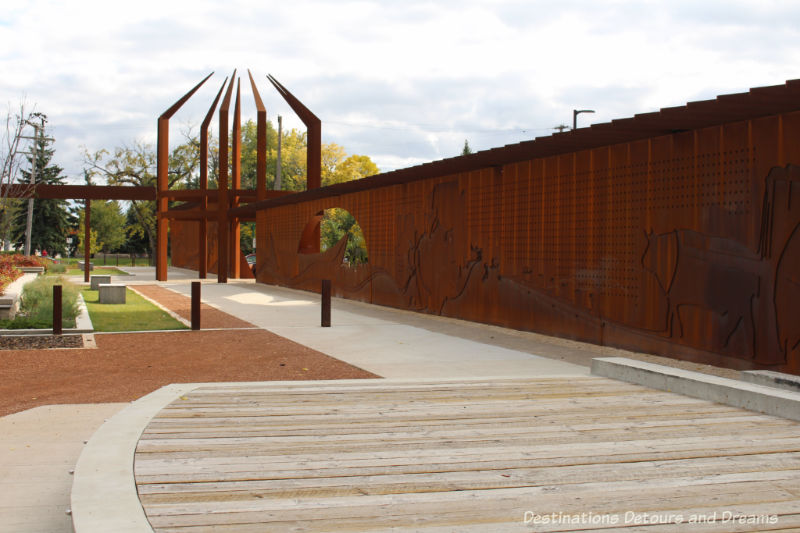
x=684, y=245
x=184, y=232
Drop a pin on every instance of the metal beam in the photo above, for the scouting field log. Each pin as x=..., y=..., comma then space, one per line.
x=222, y=186
x=314, y=127
x=162, y=168
x=78, y=192
x=202, y=255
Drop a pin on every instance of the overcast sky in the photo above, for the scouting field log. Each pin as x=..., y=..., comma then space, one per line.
x=404, y=82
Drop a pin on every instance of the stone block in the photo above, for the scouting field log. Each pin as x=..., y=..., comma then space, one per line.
x=97, y=280
x=112, y=293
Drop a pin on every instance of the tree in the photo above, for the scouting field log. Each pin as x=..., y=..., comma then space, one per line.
x=51, y=217
x=136, y=165
x=467, y=150
x=135, y=238
x=338, y=167
x=336, y=223
x=108, y=223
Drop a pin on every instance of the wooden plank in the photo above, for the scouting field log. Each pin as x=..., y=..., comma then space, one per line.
x=484, y=508
x=470, y=456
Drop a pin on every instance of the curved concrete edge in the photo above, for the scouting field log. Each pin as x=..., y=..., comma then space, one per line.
x=750, y=396
x=104, y=496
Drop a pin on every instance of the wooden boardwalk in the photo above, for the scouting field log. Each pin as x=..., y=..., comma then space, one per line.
x=551, y=454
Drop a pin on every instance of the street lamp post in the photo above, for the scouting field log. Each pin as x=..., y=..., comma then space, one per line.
x=575, y=113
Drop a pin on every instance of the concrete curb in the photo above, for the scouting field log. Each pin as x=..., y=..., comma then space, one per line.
x=104, y=496
x=772, y=379
x=759, y=398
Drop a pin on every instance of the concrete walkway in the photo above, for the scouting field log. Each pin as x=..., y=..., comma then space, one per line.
x=388, y=342
x=39, y=448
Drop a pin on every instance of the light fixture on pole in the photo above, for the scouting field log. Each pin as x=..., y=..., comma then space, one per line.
x=575, y=113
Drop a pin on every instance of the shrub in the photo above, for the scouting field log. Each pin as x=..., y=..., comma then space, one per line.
x=56, y=268
x=37, y=302
x=8, y=273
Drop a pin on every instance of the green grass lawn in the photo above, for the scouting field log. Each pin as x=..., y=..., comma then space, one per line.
x=136, y=314
x=111, y=260
x=97, y=270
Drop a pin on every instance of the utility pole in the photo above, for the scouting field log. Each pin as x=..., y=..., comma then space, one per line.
x=277, y=184
x=34, y=157
x=38, y=136
x=561, y=128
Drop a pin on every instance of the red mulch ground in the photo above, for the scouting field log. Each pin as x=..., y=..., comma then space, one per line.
x=126, y=366
x=210, y=317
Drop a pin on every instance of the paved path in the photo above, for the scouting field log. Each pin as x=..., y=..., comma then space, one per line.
x=385, y=341
x=39, y=448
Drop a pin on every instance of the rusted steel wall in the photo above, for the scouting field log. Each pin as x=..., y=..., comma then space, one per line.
x=683, y=245
x=184, y=241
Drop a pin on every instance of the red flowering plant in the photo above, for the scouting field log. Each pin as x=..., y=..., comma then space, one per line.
x=9, y=271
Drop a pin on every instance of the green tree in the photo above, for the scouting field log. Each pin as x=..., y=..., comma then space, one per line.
x=51, y=217
x=336, y=223
x=108, y=222
x=467, y=150
x=136, y=165
x=135, y=238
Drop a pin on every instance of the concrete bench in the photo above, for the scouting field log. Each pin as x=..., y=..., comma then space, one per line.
x=82, y=265
x=111, y=293
x=9, y=306
x=32, y=269
x=98, y=279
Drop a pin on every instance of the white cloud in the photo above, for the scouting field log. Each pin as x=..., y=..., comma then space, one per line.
x=402, y=82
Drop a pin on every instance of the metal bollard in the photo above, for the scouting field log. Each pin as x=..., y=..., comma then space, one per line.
x=195, y=305
x=57, y=301
x=326, y=303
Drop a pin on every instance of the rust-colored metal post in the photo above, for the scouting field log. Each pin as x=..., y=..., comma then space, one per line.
x=87, y=239
x=195, y=305
x=57, y=320
x=162, y=182
x=222, y=187
x=314, y=127
x=261, y=142
x=236, y=164
x=313, y=150
x=326, y=303
x=202, y=249
x=162, y=224
x=261, y=160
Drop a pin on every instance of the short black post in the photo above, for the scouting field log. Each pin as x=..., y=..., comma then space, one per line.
x=326, y=303
x=195, y=305
x=57, y=323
